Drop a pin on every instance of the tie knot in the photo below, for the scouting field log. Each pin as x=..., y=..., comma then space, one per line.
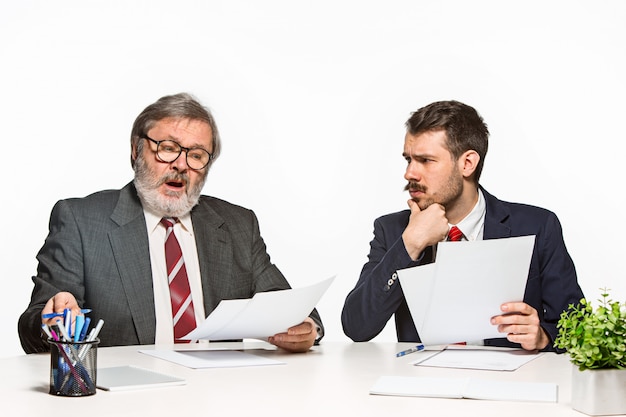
x=455, y=234
x=168, y=222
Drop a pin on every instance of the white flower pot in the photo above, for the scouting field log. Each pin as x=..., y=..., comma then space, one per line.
x=599, y=392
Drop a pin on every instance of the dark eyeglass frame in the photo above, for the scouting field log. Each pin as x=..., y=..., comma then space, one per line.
x=181, y=149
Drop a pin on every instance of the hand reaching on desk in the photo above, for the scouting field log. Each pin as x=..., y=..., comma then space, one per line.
x=57, y=304
x=521, y=324
x=298, y=338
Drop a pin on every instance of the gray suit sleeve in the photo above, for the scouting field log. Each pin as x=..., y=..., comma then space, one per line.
x=60, y=268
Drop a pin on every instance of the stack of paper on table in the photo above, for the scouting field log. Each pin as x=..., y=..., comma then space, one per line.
x=453, y=299
x=478, y=389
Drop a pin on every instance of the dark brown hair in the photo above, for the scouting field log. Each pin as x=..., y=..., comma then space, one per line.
x=464, y=127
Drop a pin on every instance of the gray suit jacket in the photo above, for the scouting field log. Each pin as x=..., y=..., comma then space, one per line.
x=97, y=249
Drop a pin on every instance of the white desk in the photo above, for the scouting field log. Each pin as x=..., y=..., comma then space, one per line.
x=333, y=379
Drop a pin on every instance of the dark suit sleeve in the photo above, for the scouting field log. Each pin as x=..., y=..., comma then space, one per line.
x=377, y=294
x=552, y=283
x=59, y=269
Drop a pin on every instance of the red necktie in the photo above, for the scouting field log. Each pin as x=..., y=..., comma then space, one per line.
x=455, y=234
x=180, y=294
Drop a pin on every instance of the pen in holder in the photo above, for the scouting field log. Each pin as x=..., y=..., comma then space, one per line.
x=73, y=367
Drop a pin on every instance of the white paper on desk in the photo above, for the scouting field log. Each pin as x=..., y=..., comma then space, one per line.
x=263, y=315
x=121, y=378
x=473, y=388
x=197, y=359
x=490, y=360
x=453, y=299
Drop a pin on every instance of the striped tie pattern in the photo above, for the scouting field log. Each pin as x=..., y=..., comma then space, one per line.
x=180, y=294
x=455, y=234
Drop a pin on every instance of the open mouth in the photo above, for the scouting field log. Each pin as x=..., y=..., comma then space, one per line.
x=178, y=185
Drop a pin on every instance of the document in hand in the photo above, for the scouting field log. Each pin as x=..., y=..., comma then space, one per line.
x=261, y=316
x=453, y=299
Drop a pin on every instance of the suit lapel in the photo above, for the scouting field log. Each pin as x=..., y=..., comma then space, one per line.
x=496, y=218
x=215, y=252
x=130, y=248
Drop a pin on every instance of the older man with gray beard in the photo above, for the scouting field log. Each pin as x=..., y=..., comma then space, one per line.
x=154, y=258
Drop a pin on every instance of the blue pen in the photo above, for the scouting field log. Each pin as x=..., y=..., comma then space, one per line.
x=80, y=323
x=411, y=350
x=53, y=315
x=67, y=321
x=85, y=328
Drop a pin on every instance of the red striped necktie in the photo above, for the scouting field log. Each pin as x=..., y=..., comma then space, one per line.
x=455, y=234
x=180, y=293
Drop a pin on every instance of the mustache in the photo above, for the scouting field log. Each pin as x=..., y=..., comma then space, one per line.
x=174, y=176
x=414, y=186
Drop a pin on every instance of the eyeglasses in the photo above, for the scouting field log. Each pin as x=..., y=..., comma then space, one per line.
x=169, y=151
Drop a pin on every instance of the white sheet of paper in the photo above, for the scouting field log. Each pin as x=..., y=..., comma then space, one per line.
x=491, y=360
x=453, y=299
x=197, y=359
x=478, y=389
x=261, y=316
x=122, y=378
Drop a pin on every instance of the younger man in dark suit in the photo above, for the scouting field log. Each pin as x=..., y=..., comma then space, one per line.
x=445, y=147
x=107, y=251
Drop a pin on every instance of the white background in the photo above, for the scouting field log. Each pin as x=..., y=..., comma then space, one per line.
x=311, y=98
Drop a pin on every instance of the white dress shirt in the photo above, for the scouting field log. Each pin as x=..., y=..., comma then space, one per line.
x=473, y=225
x=183, y=230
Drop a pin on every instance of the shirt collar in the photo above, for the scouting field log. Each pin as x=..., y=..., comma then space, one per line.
x=152, y=221
x=472, y=224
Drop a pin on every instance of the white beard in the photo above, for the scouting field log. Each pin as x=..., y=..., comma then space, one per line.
x=174, y=205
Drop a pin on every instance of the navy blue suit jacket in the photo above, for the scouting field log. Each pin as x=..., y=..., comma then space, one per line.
x=552, y=284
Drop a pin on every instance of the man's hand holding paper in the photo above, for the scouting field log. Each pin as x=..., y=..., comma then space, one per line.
x=298, y=338
x=497, y=267
x=521, y=324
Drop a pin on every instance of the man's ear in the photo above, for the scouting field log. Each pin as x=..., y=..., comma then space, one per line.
x=468, y=163
x=133, y=155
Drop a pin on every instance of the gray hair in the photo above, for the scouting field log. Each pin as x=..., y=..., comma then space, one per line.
x=177, y=106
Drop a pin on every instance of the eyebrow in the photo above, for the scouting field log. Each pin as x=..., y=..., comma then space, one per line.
x=420, y=155
x=193, y=146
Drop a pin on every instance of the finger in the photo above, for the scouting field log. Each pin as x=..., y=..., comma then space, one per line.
x=509, y=318
x=517, y=306
x=290, y=338
x=49, y=307
x=522, y=339
x=296, y=343
x=413, y=206
x=302, y=328
x=516, y=329
x=293, y=346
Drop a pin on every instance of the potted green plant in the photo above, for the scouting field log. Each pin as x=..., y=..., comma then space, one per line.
x=595, y=340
